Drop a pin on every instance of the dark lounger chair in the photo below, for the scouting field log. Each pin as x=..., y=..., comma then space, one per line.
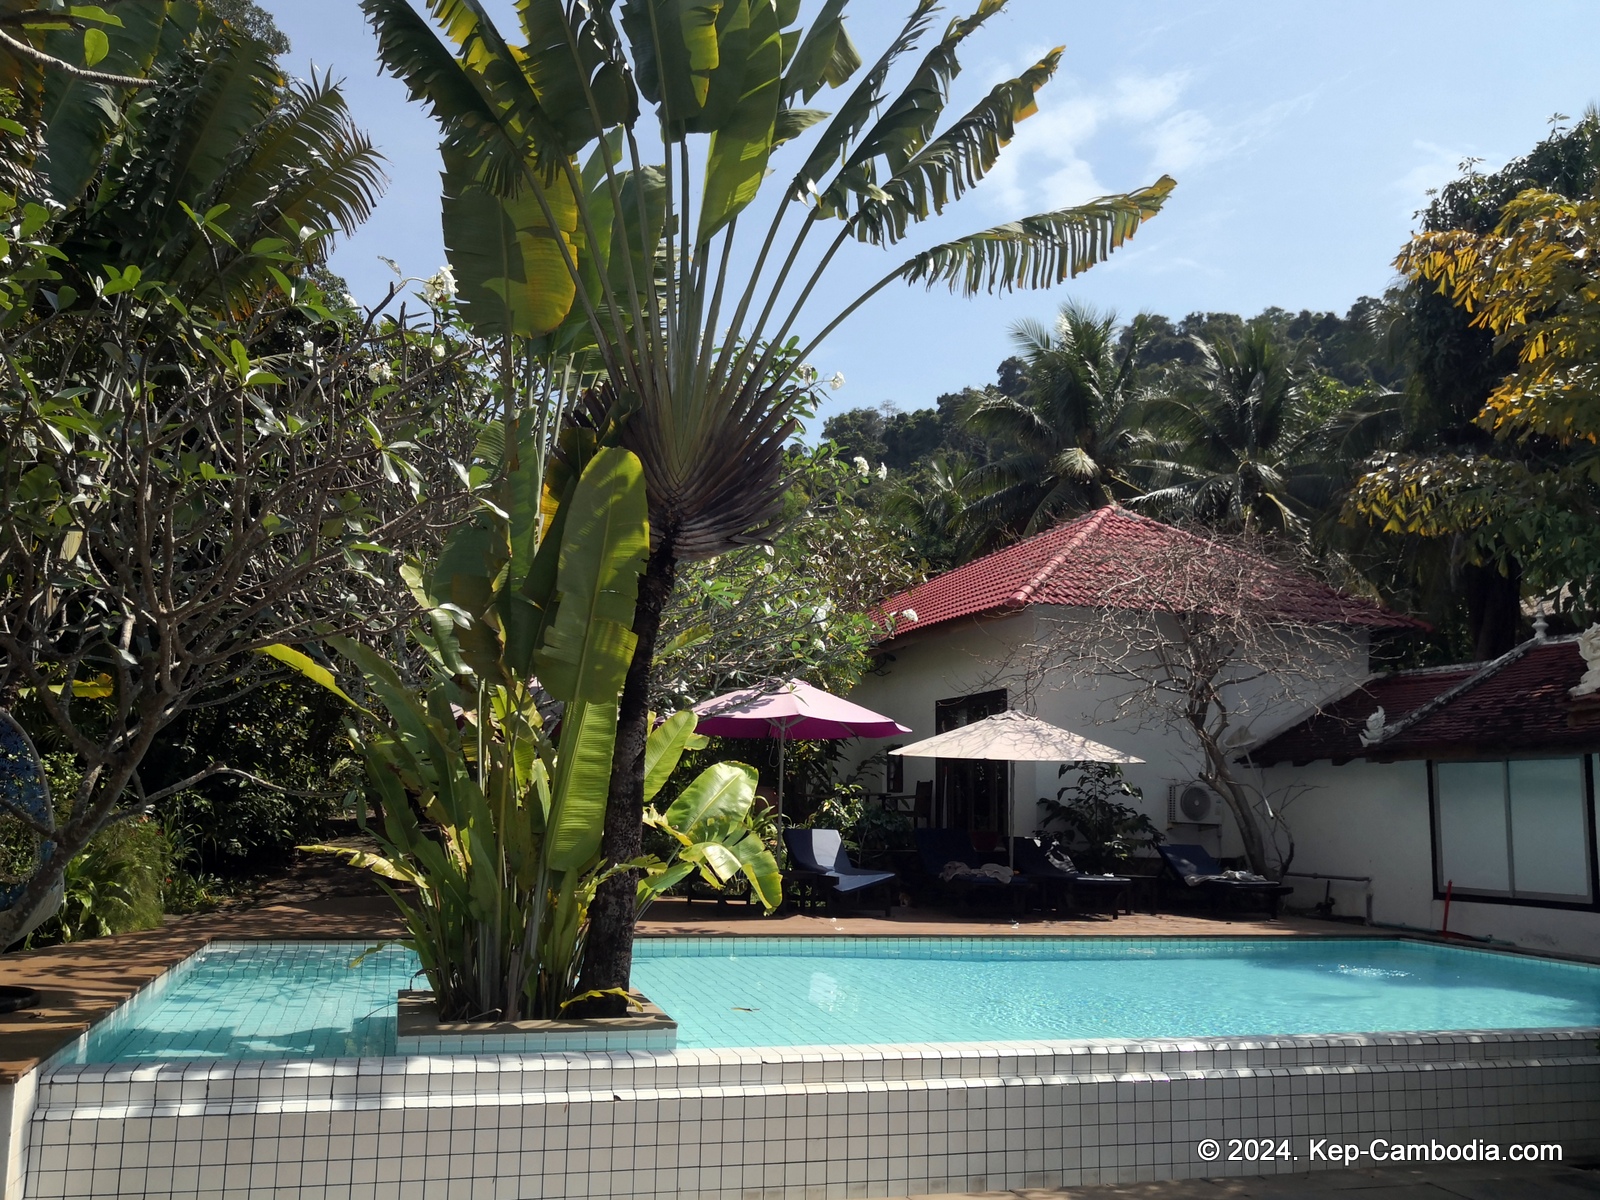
x=937, y=848
x=1186, y=862
x=1072, y=887
x=820, y=861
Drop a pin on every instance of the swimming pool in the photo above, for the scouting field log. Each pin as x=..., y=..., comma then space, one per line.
x=305, y=1000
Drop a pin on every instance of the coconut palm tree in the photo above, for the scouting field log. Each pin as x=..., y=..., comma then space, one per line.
x=1074, y=427
x=569, y=222
x=930, y=503
x=1245, y=434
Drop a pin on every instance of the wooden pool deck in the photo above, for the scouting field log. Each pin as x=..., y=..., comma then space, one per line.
x=84, y=981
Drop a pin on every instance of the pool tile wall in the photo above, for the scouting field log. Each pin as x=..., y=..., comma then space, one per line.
x=790, y=1123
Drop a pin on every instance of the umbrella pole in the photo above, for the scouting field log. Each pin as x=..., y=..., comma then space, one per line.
x=780, y=780
x=1011, y=807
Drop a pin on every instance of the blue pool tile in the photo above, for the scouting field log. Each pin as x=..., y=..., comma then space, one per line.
x=308, y=1000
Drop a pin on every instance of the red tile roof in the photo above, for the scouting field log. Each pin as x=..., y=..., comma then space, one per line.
x=1519, y=703
x=1076, y=563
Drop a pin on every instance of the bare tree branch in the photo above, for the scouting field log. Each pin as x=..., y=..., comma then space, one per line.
x=18, y=46
x=1206, y=636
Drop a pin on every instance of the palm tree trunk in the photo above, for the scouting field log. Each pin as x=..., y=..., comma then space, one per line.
x=608, y=955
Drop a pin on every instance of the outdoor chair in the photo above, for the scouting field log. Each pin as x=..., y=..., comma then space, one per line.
x=1069, y=886
x=937, y=848
x=821, y=866
x=1197, y=873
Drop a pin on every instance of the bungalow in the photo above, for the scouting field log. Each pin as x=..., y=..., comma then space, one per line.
x=1461, y=795
x=967, y=644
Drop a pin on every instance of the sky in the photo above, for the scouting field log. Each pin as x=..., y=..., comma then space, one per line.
x=1304, y=137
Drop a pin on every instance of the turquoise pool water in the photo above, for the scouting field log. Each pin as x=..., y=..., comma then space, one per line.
x=304, y=1000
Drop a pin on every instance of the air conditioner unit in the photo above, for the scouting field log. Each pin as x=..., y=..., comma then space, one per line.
x=1193, y=804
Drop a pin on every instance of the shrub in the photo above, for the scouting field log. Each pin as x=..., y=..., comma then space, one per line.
x=1102, y=831
x=115, y=886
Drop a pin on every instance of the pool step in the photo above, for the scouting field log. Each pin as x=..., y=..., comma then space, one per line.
x=813, y=1123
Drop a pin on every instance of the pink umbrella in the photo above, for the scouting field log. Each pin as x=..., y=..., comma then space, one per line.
x=795, y=711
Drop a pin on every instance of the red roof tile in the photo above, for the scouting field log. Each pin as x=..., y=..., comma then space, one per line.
x=1078, y=561
x=1519, y=703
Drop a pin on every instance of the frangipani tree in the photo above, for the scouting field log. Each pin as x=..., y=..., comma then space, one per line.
x=572, y=222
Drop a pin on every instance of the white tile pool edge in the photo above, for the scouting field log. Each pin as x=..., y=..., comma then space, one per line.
x=19, y=1100
x=790, y=1123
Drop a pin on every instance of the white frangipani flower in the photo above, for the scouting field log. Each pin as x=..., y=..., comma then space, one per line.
x=308, y=348
x=837, y=381
x=863, y=467
x=380, y=372
x=910, y=615
x=883, y=471
x=438, y=288
x=438, y=350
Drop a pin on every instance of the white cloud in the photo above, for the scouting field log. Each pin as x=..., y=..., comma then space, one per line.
x=1049, y=164
x=1438, y=166
x=1183, y=140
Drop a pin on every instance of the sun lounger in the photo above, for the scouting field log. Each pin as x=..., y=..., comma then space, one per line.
x=820, y=862
x=955, y=868
x=1195, y=871
x=1070, y=886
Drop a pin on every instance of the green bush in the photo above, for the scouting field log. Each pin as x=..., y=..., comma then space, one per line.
x=289, y=732
x=1102, y=831
x=115, y=886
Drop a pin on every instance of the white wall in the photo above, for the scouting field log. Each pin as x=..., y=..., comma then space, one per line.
x=968, y=656
x=1362, y=819
x=1372, y=819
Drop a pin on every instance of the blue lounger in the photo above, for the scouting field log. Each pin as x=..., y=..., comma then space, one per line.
x=1194, y=868
x=820, y=854
x=1069, y=884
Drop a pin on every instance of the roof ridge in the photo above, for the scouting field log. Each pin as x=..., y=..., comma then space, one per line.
x=1416, y=715
x=1088, y=523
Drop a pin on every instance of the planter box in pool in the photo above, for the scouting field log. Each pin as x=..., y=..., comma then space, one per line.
x=418, y=1030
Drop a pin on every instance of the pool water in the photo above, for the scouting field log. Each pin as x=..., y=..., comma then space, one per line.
x=306, y=1000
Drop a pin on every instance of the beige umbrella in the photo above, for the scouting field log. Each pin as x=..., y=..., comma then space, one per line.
x=1014, y=737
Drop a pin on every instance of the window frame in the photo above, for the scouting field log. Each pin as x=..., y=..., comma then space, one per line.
x=1592, y=859
x=994, y=772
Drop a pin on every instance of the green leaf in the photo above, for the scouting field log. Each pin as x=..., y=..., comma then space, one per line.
x=742, y=143
x=578, y=791
x=567, y=64
x=825, y=55
x=792, y=122
x=77, y=116
x=309, y=667
x=376, y=863
x=675, y=49
x=664, y=748
x=589, y=645
x=908, y=121
x=858, y=108
x=511, y=273
x=1037, y=251
x=955, y=161
x=760, y=867
x=95, y=46
x=93, y=12
x=719, y=795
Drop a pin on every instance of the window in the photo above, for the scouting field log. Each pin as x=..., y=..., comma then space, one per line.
x=1517, y=829
x=969, y=794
